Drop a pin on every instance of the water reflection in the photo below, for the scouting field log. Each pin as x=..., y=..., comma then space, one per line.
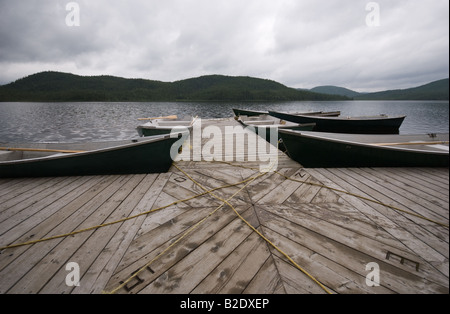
x=52, y=122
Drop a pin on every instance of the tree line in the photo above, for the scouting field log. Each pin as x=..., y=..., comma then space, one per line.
x=56, y=86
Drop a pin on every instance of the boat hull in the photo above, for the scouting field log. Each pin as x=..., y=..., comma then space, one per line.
x=248, y=113
x=321, y=152
x=144, y=156
x=266, y=131
x=378, y=125
x=154, y=131
x=252, y=113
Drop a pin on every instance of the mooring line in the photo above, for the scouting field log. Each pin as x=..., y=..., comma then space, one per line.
x=190, y=230
x=259, y=233
x=348, y=193
x=116, y=221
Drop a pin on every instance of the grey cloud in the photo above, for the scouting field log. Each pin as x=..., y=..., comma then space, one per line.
x=298, y=43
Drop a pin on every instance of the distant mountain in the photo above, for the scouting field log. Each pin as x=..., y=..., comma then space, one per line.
x=437, y=90
x=56, y=86
x=335, y=90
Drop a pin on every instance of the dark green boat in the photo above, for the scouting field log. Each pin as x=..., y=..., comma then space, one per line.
x=381, y=124
x=248, y=113
x=334, y=150
x=263, y=125
x=253, y=113
x=149, y=155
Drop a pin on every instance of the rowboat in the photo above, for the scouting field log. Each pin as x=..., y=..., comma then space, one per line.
x=248, y=113
x=148, y=155
x=252, y=113
x=264, y=125
x=329, y=150
x=161, y=126
x=381, y=124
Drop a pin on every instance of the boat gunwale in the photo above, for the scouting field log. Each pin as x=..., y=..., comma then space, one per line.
x=172, y=128
x=368, y=145
x=160, y=127
x=277, y=125
x=133, y=143
x=342, y=118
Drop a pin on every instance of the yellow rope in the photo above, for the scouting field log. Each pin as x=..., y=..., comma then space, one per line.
x=259, y=233
x=227, y=202
x=117, y=221
x=365, y=198
x=348, y=193
x=189, y=231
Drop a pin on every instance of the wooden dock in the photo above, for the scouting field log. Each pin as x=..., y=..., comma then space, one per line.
x=331, y=222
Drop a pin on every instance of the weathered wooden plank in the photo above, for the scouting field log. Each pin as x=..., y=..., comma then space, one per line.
x=294, y=281
x=407, y=196
x=177, y=193
x=325, y=196
x=305, y=193
x=343, y=216
x=35, y=194
x=51, y=264
x=415, y=238
x=398, y=278
x=7, y=182
x=264, y=185
x=210, y=182
x=357, y=241
x=338, y=278
x=41, y=230
x=438, y=174
x=386, y=196
x=97, y=276
x=190, y=271
x=425, y=190
x=171, y=227
x=17, y=187
x=167, y=236
x=266, y=281
x=283, y=191
x=160, y=217
x=415, y=176
x=92, y=213
x=206, y=178
x=436, y=177
x=85, y=255
x=15, y=226
x=237, y=270
x=165, y=199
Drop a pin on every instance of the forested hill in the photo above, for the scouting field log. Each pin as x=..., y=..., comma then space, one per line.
x=437, y=90
x=335, y=90
x=56, y=86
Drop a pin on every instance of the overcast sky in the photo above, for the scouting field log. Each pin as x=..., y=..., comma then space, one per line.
x=358, y=44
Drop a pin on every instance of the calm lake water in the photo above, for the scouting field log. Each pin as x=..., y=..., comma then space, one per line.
x=53, y=122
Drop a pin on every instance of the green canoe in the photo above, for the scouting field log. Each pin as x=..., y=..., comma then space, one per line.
x=381, y=124
x=149, y=155
x=263, y=125
x=253, y=113
x=334, y=150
